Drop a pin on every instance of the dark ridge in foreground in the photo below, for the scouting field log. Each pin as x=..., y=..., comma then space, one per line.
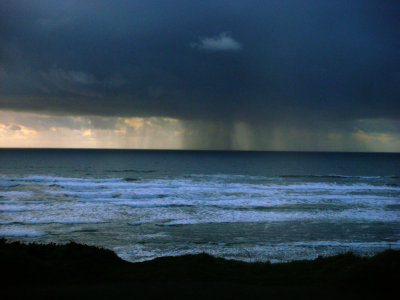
x=80, y=271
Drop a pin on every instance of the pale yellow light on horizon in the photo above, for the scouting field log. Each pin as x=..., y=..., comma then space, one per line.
x=30, y=130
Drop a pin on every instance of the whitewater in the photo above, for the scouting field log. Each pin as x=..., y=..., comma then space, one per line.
x=143, y=213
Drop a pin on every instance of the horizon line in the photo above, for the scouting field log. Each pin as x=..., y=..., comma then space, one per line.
x=204, y=150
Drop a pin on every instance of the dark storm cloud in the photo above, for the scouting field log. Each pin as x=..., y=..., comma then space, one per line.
x=259, y=62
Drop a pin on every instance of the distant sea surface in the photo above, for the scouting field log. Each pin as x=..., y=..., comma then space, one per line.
x=252, y=206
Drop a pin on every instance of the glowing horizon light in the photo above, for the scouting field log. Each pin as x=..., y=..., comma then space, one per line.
x=31, y=130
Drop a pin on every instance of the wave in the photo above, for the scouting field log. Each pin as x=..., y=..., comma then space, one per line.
x=54, y=222
x=289, y=202
x=38, y=178
x=135, y=223
x=98, y=184
x=190, y=177
x=333, y=176
x=181, y=200
x=86, y=194
x=206, y=184
x=220, y=216
x=338, y=243
x=131, y=171
x=24, y=202
x=166, y=186
x=12, y=208
x=12, y=232
x=15, y=194
x=8, y=185
x=321, y=176
x=172, y=224
x=130, y=179
x=273, y=252
x=225, y=176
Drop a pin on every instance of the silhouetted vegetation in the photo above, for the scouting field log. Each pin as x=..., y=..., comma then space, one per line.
x=79, y=270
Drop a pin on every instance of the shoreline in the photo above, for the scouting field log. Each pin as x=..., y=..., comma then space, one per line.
x=80, y=270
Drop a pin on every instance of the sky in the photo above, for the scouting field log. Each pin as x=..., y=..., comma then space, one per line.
x=313, y=75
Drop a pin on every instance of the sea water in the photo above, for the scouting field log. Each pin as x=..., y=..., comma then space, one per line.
x=252, y=206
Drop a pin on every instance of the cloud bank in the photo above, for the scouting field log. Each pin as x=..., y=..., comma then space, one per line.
x=236, y=74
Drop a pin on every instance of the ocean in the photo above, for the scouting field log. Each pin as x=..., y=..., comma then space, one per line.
x=251, y=206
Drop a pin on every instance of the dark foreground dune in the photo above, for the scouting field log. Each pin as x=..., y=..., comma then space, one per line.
x=80, y=271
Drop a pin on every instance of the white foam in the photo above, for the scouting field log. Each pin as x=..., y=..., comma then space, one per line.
x=274, y=252
x=15, y=194
x=343, y=243
x=7, y=223
x=50, y=222
x=99, y=200
x=11, y=208
x=294, y=176
x=238, y=201
x=237, y=216
x=92, y=185
x=21, y=232
x=87, y=194
x=54, y=179
x=25, y=201
x=183, y=201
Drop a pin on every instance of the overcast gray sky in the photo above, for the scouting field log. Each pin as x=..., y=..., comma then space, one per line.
x=272, y=75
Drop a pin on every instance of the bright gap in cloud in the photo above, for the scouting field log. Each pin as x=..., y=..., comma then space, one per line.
x=20, y=129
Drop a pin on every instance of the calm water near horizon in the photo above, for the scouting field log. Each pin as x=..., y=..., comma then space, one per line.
x=250, y=206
